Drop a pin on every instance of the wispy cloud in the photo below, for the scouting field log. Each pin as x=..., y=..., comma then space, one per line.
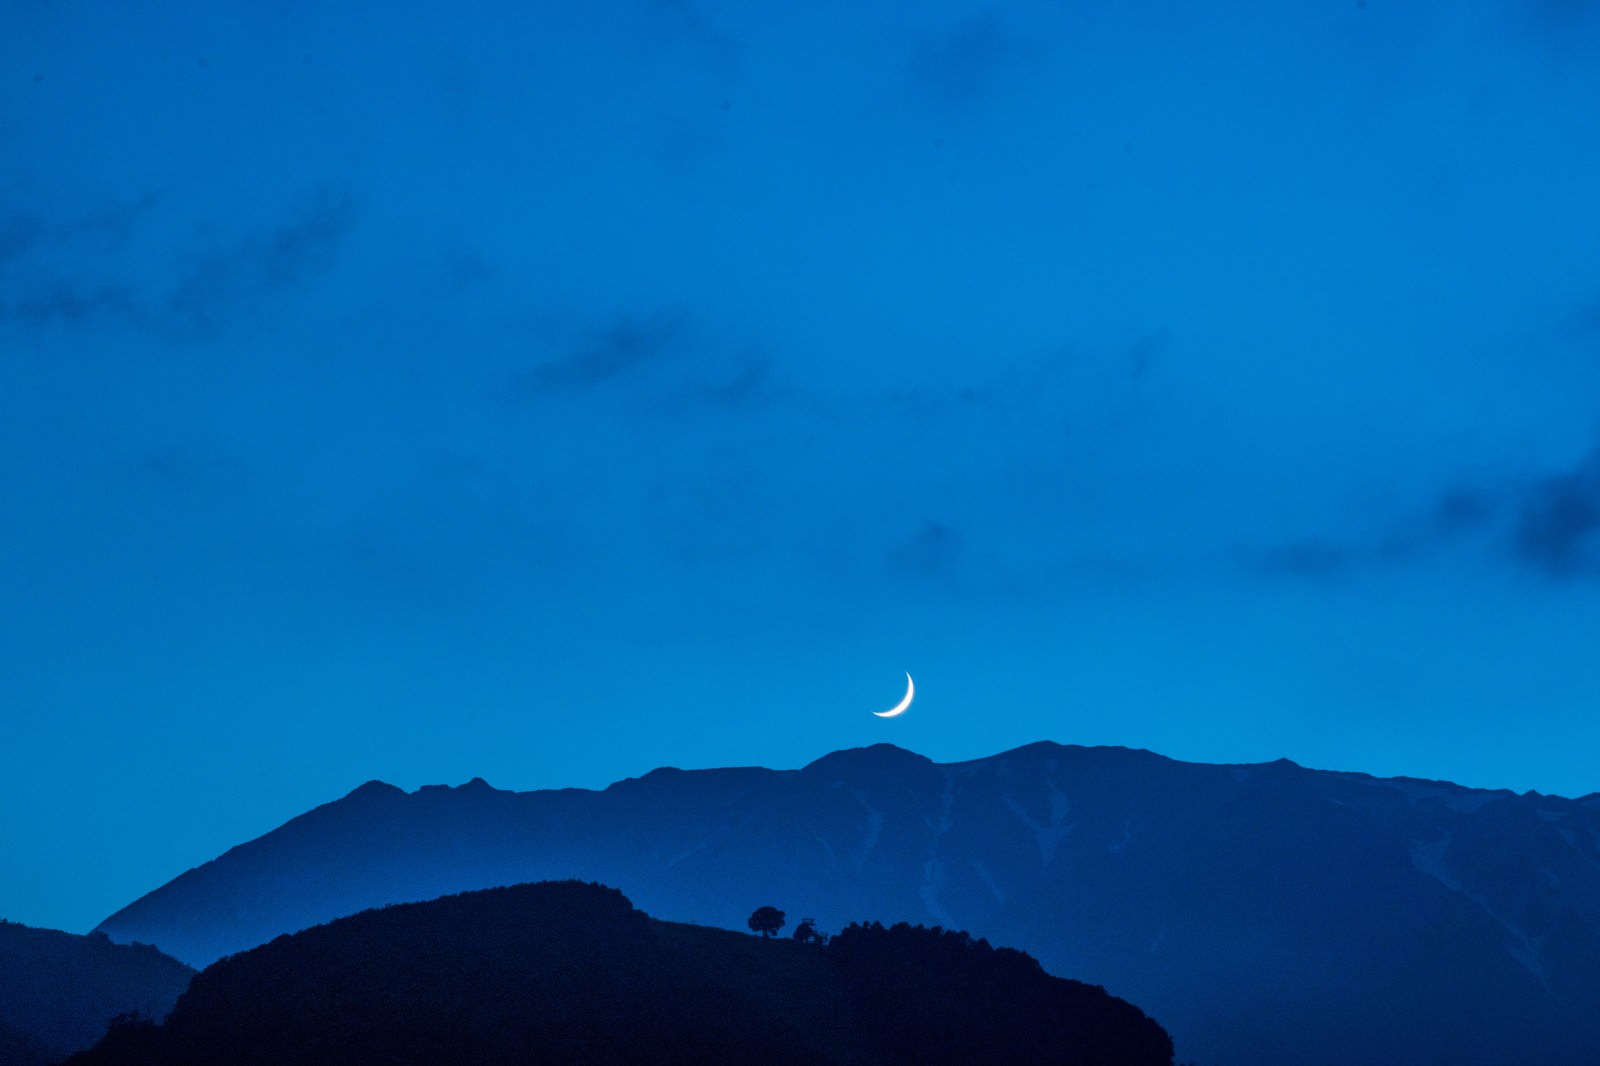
x=1561, y=17
x=751, y=381
x=18, y=233
x=607, y=352
x=191, y=467
x=102, y=229
x=56, y=272
x=963, y=64
x=1558, y=522
x=262, y=261
x=60, y=300
x=1548, y=523
x=934, y=553
x=1311, y=558
x=685, y=24
x=46, y=271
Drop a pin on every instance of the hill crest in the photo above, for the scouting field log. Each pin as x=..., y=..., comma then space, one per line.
x=1453, y=920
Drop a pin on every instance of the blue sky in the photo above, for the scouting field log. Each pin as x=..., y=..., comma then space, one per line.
x=550, y=395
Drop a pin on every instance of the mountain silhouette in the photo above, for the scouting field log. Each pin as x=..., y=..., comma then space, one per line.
x=58, y=990
x=571, y=972
x=19, y=1048
x=1266, y=913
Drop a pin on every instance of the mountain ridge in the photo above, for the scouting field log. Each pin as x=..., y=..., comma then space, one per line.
x=1453, y=919
x=377, y=785
x=58, y=990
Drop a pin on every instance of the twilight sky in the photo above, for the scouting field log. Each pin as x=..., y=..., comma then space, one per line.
x=552, y=395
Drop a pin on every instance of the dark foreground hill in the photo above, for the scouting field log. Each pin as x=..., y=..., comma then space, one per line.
x=569, y=972
x=18, y=1048
x=58, y=990
x=1267, y=914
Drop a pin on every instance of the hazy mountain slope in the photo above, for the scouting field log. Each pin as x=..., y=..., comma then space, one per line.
x=1256, y=910
x=568, y=972
x=58, y=990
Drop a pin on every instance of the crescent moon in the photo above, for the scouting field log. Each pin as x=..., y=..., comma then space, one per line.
x=900, y=708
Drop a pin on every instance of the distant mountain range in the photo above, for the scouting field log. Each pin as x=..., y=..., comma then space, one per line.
x=1265, y=914
x=571, y=973
x=58, y=990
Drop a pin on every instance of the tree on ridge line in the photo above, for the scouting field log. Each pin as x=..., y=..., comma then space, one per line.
x=766, y=921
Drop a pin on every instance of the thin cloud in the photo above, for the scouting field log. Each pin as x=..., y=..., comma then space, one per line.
x=1011, y=389
x=1558, y=522
x=1561, y=17
x=750, y=383
x=64, y=301
x=57, y=279
x=1550, y=524
x=191, y=468
x=1463, y=509
x=684, y=23
x=962, y=65
x=267, y=260
x=41, y=294
x=19, y=234
x=673, y=362
x=100, y=230
x=306, y=245
x=606, y=353
x=1311, y=558
x=1145, y=352
x=933, y=552
x=1458, y=516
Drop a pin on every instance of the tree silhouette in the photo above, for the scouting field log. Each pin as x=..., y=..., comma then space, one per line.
x=806, y=933
x=766, y=921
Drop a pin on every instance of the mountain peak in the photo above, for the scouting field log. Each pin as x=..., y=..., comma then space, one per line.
x=374, y=789
x=881, y=756
x=476, y=785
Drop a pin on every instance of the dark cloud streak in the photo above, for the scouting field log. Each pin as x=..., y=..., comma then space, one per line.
x=69, y=302
x=279, y=258
x=106, y=227
x=1550, y=524
x=1558, y=522
x=606, y=353
x=206, y=290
